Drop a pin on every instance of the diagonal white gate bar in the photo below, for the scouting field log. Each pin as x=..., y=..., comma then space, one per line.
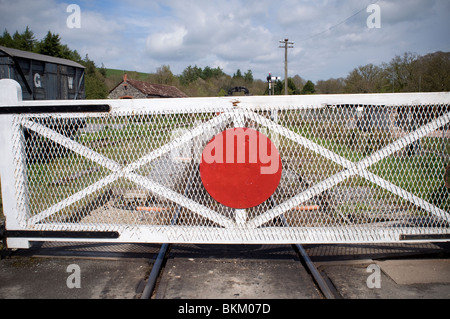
x=72, y=199
x=120, y=171
x=277, y=128
x=181, y=200
x=436, y=211
x=179, y=141
x=299, y=198
x=72, y=145
x=352, y=169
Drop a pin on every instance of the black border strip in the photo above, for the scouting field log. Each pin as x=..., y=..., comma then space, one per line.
x=55, y=109
x=426, y=237
x=61, y=234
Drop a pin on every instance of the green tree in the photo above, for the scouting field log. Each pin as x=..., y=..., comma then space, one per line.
x=330, y=86
x=95, y=87
x=90, y=67
x=248, y=76
x=17, y=39
x=238, y=74
x=164, y=75
x=190, y=74
x=217, y=72
x=50, y=45
x=94, y=81
x=210, y=73
x=365, y=79
x=26, y=40
x=401, y=72
x=69, y=54
x=299, y=82
x=207, y=73
x=102, y=70
x=308, y=88
x=7, y=40
x=433, y=73
x=22, y=41
x=292, y=88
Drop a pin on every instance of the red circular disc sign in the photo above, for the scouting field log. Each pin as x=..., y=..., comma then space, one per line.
x=240, y=168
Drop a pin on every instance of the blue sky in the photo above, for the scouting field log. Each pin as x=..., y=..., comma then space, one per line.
x=330, y=39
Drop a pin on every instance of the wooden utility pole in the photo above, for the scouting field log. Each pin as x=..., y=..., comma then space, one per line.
x=286, y=45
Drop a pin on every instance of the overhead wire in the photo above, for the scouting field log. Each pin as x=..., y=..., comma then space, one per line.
x=335, y=25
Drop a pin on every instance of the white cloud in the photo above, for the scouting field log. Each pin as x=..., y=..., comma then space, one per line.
x=394, y=12
x=295, y=13
x=167, y=44
x=210, y=32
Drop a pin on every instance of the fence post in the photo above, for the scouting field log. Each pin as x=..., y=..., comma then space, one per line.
x=12, y=166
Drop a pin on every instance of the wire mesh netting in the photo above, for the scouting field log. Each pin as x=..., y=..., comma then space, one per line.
x=346, y=168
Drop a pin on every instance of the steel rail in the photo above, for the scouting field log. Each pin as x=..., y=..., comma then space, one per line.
x=156, y=269
x=154, y=274
x=318, y=278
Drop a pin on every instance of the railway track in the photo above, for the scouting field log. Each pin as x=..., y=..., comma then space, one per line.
x=323, y=285
x=161, y=272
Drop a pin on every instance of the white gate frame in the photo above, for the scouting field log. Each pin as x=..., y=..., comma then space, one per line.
x=237, y=230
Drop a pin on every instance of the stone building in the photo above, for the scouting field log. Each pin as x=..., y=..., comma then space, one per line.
x=132, y=89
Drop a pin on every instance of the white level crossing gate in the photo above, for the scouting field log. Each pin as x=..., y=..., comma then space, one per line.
x=355, y=168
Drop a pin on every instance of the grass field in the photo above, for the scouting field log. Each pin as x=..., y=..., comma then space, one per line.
x=131, y=74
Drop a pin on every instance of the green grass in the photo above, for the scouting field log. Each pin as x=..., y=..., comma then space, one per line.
x=141, y=76
x=420, y=174
x=137, y=137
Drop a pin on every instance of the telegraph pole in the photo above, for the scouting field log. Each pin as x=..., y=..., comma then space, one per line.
x=286, y=45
